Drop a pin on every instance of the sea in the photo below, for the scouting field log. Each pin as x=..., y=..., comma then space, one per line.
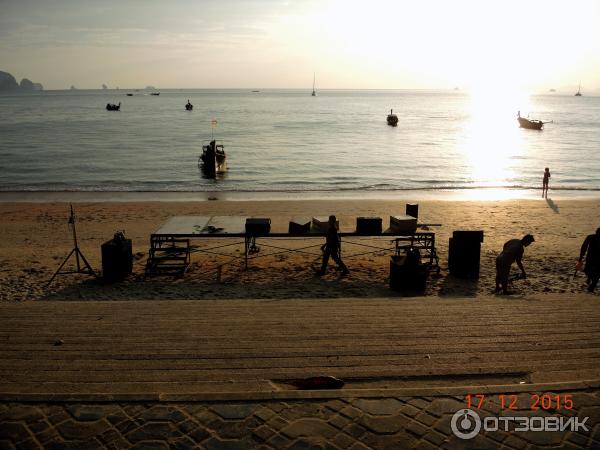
x=287, y=141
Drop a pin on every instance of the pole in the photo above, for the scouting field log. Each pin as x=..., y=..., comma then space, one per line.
x=72, y=222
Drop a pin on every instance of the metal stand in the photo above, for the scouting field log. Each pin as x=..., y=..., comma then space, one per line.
x=87, y=269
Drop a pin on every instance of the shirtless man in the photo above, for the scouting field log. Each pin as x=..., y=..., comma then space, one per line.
x=591, y=246
x=512, y=251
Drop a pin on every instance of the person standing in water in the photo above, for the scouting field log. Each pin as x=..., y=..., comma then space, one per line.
x=545, y=182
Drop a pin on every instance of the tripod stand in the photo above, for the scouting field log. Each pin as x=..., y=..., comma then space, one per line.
x=87, y=269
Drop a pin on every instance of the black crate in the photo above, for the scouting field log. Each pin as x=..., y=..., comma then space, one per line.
x=258, y=226
x=117, y=259
x=368, y=226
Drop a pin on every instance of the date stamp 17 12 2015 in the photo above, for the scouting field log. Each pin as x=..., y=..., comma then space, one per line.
x=546, y=402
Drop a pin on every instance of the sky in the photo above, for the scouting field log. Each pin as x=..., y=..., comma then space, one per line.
x=376, y=44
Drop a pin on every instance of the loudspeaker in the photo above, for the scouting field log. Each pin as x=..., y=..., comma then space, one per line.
x=299, y=225
x=412, y=209
x=117, y=259
x=464, y=253
x=368, y=226
x=258, y=226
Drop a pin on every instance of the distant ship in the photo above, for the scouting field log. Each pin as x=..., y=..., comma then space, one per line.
x=314, y=92
x=578, y=93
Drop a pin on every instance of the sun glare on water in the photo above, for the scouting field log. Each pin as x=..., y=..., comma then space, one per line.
x=492, y=142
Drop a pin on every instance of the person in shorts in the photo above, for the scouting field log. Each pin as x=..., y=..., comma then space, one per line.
x=512, y=251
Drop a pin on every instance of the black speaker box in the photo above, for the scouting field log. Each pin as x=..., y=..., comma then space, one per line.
x=117, y=259
x=368, y=225
x=258, y=226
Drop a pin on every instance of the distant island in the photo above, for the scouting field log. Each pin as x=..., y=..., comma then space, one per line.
x=9, y=83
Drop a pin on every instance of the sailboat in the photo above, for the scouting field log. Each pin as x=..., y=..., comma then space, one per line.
x=314, y=93
x=578, y=93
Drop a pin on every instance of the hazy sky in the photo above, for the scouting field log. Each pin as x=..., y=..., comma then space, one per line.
x=474, y=44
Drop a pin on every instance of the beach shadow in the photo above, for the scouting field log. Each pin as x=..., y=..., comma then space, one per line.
x=242, y=285
x=451, y=286
x=552, y=205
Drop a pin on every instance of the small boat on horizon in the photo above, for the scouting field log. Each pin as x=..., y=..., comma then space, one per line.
x=129, y=94
x=189, y=106
x=213, y=159
x=529, y=124
x=314, y=92
x=113, y=107
x=392, y=119
x=154, y=93
x=578, y=93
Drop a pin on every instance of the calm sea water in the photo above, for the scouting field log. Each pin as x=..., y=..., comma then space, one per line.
x=290, y=141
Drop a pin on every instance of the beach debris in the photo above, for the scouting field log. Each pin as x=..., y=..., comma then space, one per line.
x=320, y=382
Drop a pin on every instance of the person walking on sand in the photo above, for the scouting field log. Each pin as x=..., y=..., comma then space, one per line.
x=545, y=181
x=332, y=248
x=591, y=246
x=511, y=251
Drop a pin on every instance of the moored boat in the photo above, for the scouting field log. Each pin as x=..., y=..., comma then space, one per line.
x=113, y=107
x=529, y=124
x=189, y=106
x=392, y=119
x=213, y=158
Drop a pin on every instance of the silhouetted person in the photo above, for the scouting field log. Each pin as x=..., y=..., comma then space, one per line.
x=512, y=251
x=545, y=182
x=591, y=246
x=332, y=248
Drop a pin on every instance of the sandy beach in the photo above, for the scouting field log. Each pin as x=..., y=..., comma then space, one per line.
x=36, y=239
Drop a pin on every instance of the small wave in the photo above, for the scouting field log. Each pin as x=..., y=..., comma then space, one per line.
x=287, y=188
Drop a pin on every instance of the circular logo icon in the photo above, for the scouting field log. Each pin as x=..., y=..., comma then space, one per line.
x=465, y=424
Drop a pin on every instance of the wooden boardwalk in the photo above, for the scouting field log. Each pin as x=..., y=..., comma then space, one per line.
x=193, y=347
